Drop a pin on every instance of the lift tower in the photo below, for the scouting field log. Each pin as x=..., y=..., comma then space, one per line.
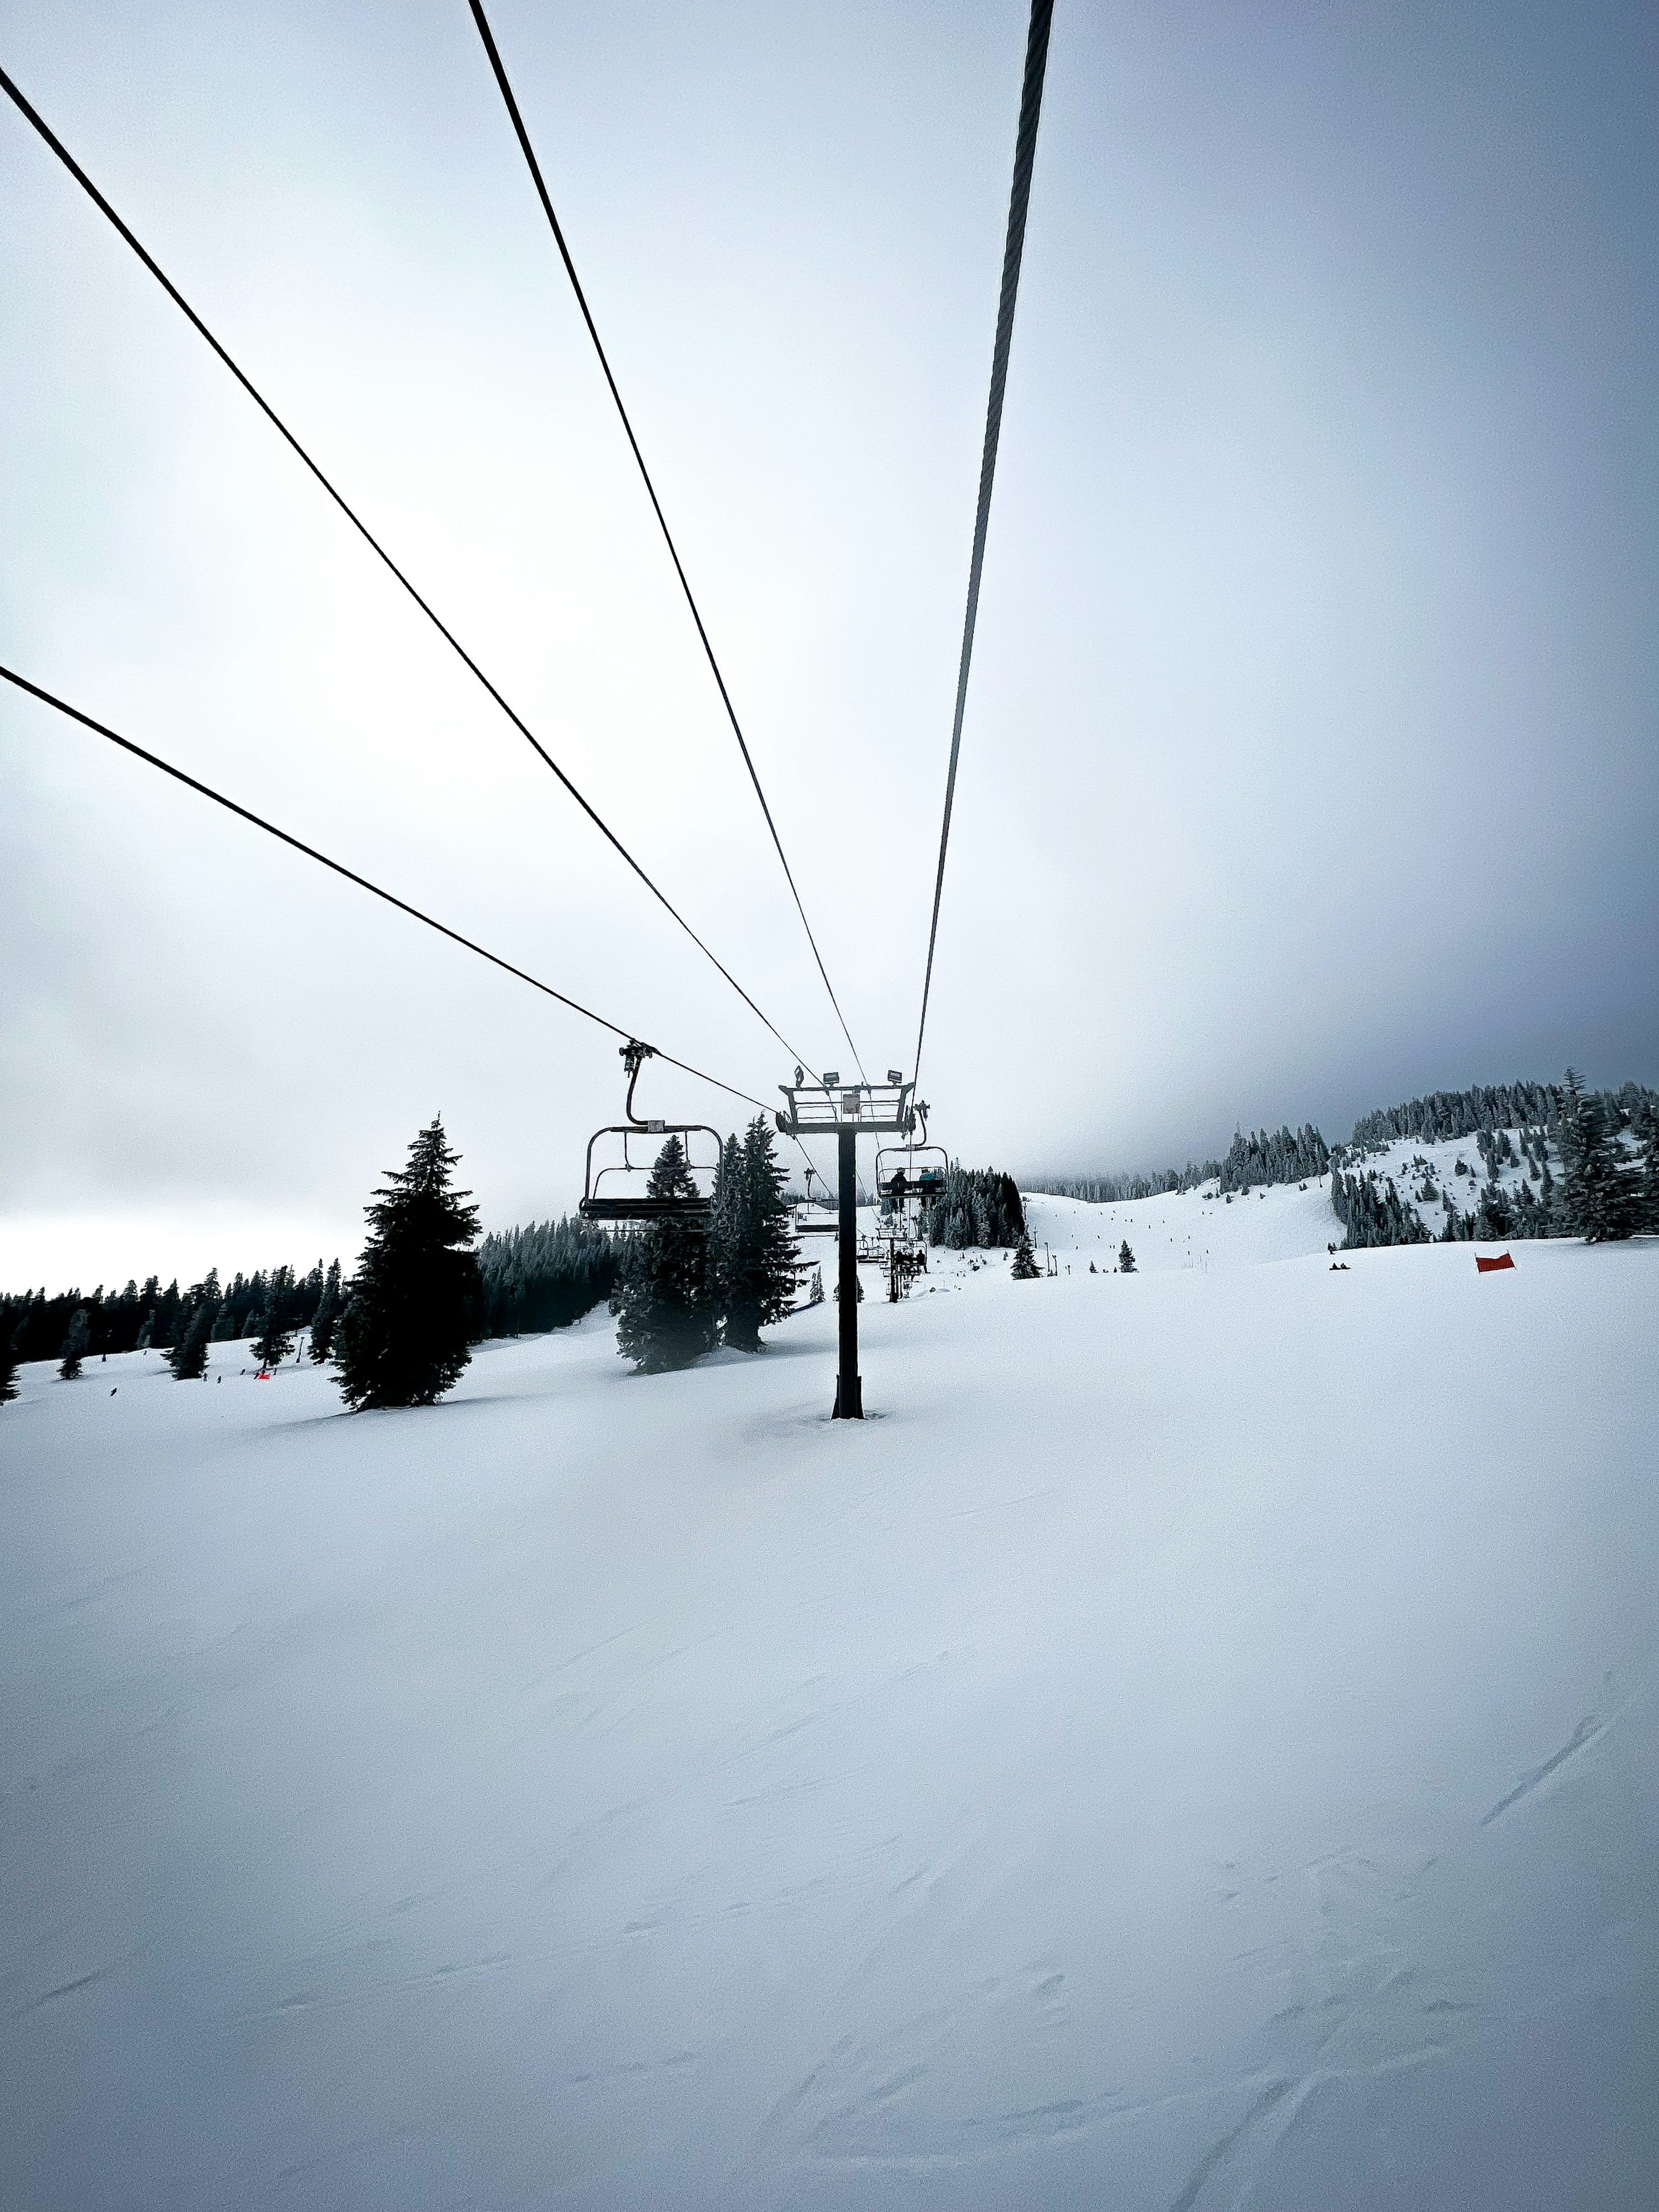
x=847, y=1111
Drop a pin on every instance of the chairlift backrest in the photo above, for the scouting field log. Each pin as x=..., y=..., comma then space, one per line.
x=911, y=1171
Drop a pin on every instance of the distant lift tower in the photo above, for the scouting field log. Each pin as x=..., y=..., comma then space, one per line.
x=848, y=1111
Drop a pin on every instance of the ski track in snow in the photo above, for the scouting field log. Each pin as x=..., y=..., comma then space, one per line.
x=1196, y=1749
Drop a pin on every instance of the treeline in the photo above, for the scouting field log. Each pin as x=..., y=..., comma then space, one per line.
x=1114, y=1190
x=543, y=1276
x=540, y=1277
x=1264, y=1157
x=980, y=1207
x=36, y=1325
x=1607, y=1190
x=1268, y=1157
x=1445, y=1114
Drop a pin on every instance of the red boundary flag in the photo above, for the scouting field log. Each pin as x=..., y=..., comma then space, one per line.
x=1486, y=1267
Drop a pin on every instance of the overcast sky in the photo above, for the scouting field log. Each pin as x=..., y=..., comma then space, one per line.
x=1309, y=757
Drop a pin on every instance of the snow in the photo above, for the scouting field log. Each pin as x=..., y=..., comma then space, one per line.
x=1202, y=1228
x=1190, y=1229
x=1194, y=1747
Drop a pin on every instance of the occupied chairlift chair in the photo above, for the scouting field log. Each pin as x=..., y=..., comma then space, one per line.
x=915, y=1170
x=630, y=1201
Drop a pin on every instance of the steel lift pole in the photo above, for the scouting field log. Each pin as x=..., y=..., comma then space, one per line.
x=849, y=1383
x=847, y=1111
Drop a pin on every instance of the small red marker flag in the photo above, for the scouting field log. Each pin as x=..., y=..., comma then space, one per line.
x=1486, y=1267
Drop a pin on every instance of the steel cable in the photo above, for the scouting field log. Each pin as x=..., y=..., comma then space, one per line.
x=32, y=116
x=523, y=136
x=246, y=814
x=1031, y=108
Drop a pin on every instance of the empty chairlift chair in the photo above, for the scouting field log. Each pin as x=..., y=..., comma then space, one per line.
x=617, y=1189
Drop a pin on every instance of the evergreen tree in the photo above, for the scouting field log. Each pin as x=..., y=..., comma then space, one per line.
x=543, y=1276
x=1126, y=1259
x=979, y=1206
x=403, y=1340
x=7, y=1362
x=1647, y=1204
x=752, y=1254
x=665, y=1311
x=1025, y=1268
x=272, y=1342
x=74, y=1347
x=168, y=1314
x=326, y=1319
x=727, y=1216
x=1597, y=1191
x=189, y=1357
x=1494, y=1221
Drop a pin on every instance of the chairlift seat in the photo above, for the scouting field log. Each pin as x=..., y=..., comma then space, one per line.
x=605, y=1208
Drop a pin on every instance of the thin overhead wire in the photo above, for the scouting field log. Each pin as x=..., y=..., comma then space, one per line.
x=417, y=913
x=32, y=116
x=1031, y=108
x=542, y=193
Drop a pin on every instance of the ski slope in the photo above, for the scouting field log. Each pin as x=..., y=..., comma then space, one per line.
x=1194, y=1747
x=1205, y=1227
x=1188, y=1229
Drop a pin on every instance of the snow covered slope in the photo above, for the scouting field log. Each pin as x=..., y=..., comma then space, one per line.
x=1194, y=1748
x=1206, y=1228
x=1188, y=1229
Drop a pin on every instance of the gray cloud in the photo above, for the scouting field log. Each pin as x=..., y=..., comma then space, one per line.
x=1310, y=755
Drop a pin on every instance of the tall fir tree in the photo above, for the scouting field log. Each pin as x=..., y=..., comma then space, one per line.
x=752, y=1254
x=1025, y=1268
x=8, y=1364
x=189, y=1357
x=663, y=1304
x=326, y=1319
x=1647, y=1191
x=725, y=1221
x=272, y=1341
x=402, y=1339
x=74, y=1347
x=1126, y=1259
x=1598, y=1191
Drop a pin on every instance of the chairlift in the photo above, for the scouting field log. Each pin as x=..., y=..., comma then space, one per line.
x=626, y=1199
x=815, y=1223
x=913, y=1170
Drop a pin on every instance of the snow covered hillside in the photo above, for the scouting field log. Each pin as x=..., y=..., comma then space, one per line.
x=1191, y=1229
x=1195, y=1747
x=1206, y=1227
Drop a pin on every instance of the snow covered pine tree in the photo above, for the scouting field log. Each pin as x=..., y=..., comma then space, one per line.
x=664, y=1312
x=272, y=1341
x=1025, y=1268
x=189, y=1357
x=402, y=1339
x=326, y=1319
x=1599, y=1194
x=1126, y=1259
x=8, y=1364
x=74, y=1347
x=752, y=1255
